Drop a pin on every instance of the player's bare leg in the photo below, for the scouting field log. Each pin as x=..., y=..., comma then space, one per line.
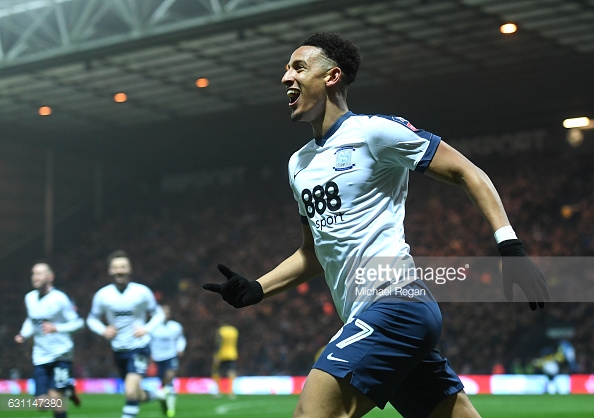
x=59, y=411
x=134, y=394
x=231, y=376
x=170, y=396
x=216, y=376
x=455, y=406
x=132, y=389
x=325, y=396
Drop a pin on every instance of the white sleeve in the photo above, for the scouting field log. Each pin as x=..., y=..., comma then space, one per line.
x=157, y=315
x=93, y=320
x=393, y=143
x=292, y=170
x=181, y=340
x=73, y=321
x=70, y=326
x=95, y=324
x=27, y=329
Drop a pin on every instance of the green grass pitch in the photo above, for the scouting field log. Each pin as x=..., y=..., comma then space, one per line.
x=205, y=406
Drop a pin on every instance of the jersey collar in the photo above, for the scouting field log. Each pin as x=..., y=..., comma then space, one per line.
x=118, y=289
x=40, y=295
x=321, y=141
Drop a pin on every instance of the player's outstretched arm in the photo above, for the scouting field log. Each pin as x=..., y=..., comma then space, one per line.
x=450, y=166
x=300, y=267
x=238, y=291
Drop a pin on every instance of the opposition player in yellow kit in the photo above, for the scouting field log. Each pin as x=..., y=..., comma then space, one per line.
x=225, y=356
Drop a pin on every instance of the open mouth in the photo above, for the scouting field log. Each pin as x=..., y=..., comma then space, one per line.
x=293, y=95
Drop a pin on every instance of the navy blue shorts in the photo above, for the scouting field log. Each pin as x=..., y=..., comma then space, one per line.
x=133, y=361
x=389, y=352
x=164, y=365
x=226, y=368
x=55, y=375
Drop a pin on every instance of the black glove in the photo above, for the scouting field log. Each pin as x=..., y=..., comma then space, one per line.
x=519, y=269
x=237, y=290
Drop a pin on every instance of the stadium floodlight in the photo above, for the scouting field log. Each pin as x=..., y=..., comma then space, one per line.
x=508, y=28
x=580, y=122
x=202, y=82
x=45, y=111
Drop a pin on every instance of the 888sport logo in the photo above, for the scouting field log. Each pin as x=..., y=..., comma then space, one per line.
x=322, y=198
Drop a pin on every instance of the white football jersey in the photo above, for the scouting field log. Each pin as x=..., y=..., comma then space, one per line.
x=54, y=307
x=351, y=186
x=167, y=339
x=126, y=311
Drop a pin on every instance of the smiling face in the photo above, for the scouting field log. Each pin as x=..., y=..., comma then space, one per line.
x=120, y=270
x=307, y=72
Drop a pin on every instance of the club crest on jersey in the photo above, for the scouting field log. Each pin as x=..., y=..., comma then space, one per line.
x=344, y=159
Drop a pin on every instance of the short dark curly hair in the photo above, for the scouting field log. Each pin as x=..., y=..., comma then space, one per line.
x=342, y=51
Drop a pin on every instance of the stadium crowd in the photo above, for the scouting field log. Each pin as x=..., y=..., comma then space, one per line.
x=176, y=240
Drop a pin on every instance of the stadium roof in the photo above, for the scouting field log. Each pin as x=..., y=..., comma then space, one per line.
x=74, y=55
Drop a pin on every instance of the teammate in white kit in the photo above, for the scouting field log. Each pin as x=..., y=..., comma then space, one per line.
x=351, y=182
x=167, y=346
x=126, y=306
x=51, y=319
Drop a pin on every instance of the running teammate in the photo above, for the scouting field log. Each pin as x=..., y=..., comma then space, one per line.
x=167, y=346
x=51, y=319
x=351, y=182
x=125, y=306
x=225, y=357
